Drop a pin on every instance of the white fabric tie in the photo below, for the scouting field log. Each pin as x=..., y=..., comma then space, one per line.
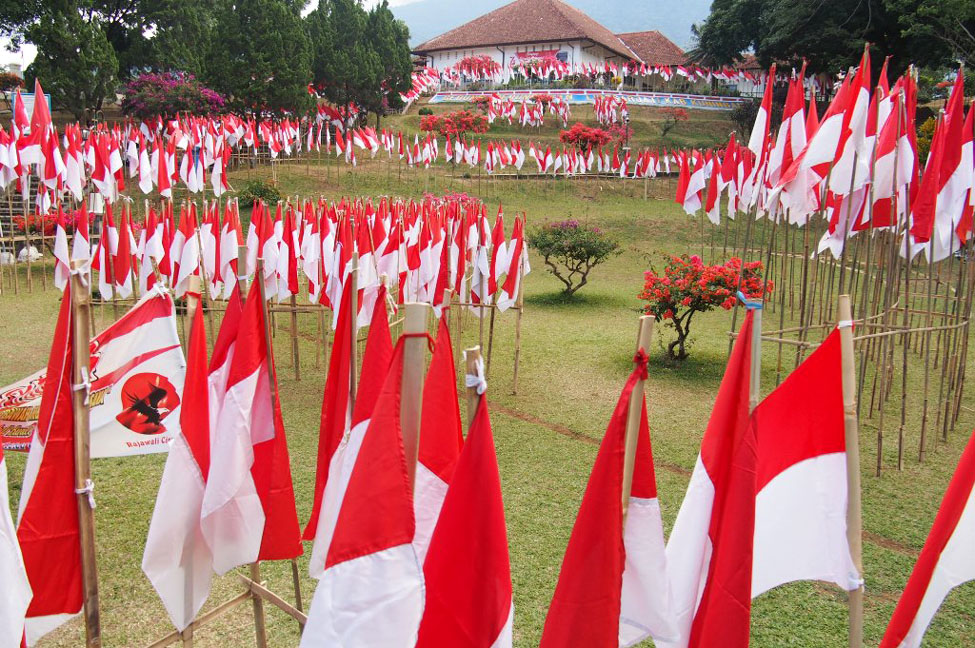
x=89, y=490
x=82, y=273
x=844, y=324
x=85, y=384
x=856, y=582
x=477, y=379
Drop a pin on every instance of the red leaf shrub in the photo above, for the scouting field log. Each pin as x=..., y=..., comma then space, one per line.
x=455, y=124
x=672, y=117
x=481, y=103
x=543, y=98
x=583, y=136
x=688, y=286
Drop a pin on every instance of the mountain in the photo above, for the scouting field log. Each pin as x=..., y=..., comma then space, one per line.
x=429, y=18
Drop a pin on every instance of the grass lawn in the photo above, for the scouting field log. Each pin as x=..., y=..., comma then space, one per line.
x=575, y=357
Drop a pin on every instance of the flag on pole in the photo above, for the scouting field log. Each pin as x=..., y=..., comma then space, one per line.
x=946, y=561
x=16, y=593
x=47, y=526
x=613, y=587
x=709, y=553
x=371, y=591
x=177, y=559
x=467, y=571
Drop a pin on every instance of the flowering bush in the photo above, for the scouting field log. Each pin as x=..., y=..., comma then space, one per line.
x=455, y=124
x=584, y=137
x=543, y=98
x=41, y=224
x=481, y=103
x=10, y=81
x=688, y=286
x=571, y=251
x=620, y=133
x=672, y=117
x=168, y=93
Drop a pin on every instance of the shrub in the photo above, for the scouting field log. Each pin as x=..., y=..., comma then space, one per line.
x=168, y=93
x=925, y=133
x=543, y=98
x=583, y=136
x=10, y=81
x=688, y=286
x=743, y=117
x=455, y=124
x=481, y=103
x=672, y=117
x=259, y=190
x=426, y=111
x=571, y=251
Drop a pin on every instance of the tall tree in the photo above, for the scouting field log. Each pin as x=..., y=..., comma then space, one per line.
x=390, y=39
x=259, y=55
x=948, y=22
x=75, y=61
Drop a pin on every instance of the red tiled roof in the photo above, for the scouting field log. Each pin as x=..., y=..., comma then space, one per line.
x=654, y=48
x=528, y=21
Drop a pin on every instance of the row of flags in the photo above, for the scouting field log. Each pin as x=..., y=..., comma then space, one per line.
x=530, y=113
x=610, y=110
x=410, y=555
x=858, y=166
x=423, y=251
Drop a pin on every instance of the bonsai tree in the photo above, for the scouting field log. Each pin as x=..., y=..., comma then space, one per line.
x=687, y=286
x=571, y=251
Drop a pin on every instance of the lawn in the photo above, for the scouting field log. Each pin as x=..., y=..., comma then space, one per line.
x=575, y=357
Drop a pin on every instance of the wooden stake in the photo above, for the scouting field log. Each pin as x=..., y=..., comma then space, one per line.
x=260, y=623
x=471, y=358
x=83, y=485
x=633, y=414
x=414, y=325
x=520, y=305
x=854, y=522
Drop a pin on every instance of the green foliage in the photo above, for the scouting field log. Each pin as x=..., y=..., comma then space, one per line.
x=925, y=133
x=260, y=56
x=75, y=62
x=830, y=35
x=571, y=251
x=951, y=23
x=426, y=111
x=743, y=117
x=259, y=190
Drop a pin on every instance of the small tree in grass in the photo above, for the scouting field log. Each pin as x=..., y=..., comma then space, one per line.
x=687, y=286
x=672, y=117
x=571, y=251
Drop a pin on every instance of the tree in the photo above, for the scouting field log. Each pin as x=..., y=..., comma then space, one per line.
x=830, y=35
x=950, y=22
x=75, y=61
x=260, y=60
x=571, y=251
x=390, y=40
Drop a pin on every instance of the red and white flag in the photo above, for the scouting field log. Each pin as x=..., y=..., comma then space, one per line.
x=177, y=559
x=801, y=478
x=441, y=440
x=16, y=593
x=371, y=591
x=709, y=552
x=248, y=511
x=946, y=561
x=47, y=524
x=613, y=587
x=467, y=571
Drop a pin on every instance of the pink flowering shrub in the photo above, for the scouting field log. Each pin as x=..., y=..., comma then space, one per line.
x=168, y=93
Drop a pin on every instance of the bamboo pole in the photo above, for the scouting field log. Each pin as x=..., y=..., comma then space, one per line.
x=854, y=522
x=472, y=356
x=755, y=378
x=633, y=414
x=415, y=327
x=520, y=305
x=80, y=304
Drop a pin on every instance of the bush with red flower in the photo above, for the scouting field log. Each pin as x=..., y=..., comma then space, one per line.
x=672, y=117
x=543, y=98
x=455, y=124
x=481, y=103
x=687, y=286
x=40, y=224
x=167, y=93
x=584, y=136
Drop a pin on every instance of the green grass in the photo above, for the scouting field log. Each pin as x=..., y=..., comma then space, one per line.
x=575, y=357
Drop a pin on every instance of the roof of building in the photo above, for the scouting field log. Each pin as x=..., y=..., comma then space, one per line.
x=528, y=21
x=654, y=48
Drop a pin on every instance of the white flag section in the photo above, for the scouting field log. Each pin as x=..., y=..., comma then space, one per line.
x=801, y=481
x=137, y=373
x=15, y=592
x=947, y=560
x=371, y=591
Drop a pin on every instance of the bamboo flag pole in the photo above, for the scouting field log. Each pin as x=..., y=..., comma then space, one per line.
x=755, y=378
x=472, y=356
x=854, y=521
x=80, y=304
x=354, y=351
x=415, y=326
x=633, y=414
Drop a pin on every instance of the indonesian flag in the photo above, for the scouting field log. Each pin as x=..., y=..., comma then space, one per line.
x=16, y=594
x=47, y=525
x=518, y=266
x=758, y=142
x=613, y=587
x=801, y=478
x=62, y=261
x=467, y=572
x=441, y=440
x=248, y=511
x=946, y=561
x=709, y=553
x=371, y=592
x=177, y=560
